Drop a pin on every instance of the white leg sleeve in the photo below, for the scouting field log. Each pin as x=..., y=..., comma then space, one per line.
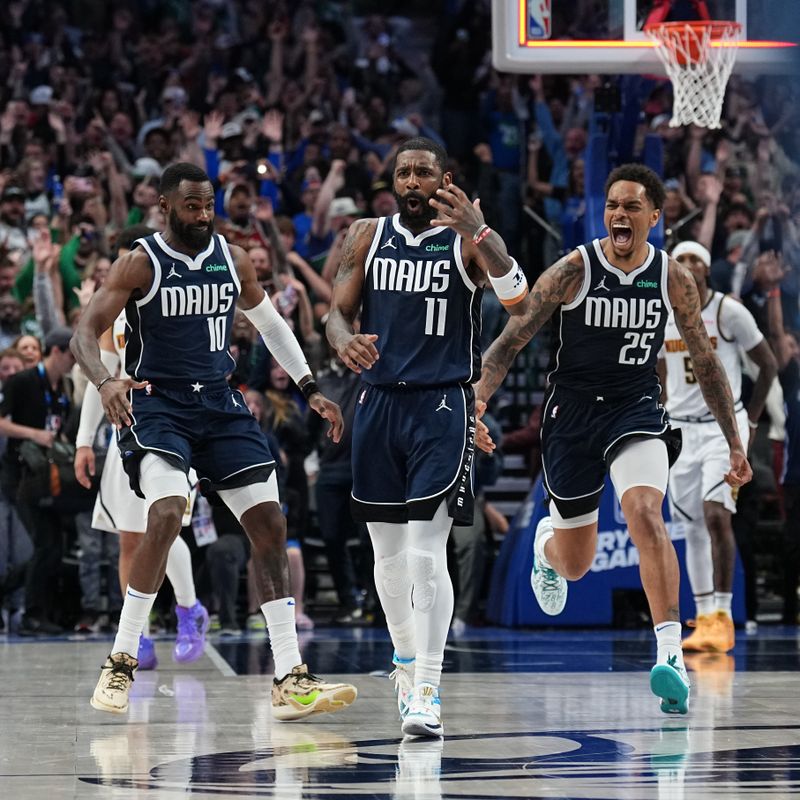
x=179, y=572
x=159, y=479
x=699, y=563
x=393, y=584
x=432, y=592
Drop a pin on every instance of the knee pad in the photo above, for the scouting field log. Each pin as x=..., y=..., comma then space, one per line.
x=159, y=479
x=422, y=571
x=394, y=574
x=243, y=498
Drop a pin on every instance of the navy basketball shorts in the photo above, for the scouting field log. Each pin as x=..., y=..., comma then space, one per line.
x=413, y=447
x=581, y=435
x=210, y=429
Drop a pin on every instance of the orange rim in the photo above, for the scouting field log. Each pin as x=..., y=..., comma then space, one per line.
x=718, y=28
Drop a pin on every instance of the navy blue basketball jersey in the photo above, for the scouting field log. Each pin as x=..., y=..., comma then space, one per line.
x=610, y=335
x=421, y=303
x=181, y=327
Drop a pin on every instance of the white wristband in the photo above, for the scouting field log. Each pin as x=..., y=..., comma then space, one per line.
x=92, y=408
x=279, y=339
x=511, y=287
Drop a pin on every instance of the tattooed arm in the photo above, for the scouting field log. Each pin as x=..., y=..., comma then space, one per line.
x=707, y=367
x=357, y=350
x=557, y=285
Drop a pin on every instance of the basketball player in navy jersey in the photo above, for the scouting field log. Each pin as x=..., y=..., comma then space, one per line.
x=602, y=409
x=416, y=281
x=180, y=291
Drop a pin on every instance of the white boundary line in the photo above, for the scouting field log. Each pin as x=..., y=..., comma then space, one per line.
x=219, y=662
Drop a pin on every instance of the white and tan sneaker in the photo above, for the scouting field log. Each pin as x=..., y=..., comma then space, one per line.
x=116, y=678
x=301, y=694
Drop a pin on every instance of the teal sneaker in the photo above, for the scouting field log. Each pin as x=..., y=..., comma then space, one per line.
x=549, y=588
x=671, y=683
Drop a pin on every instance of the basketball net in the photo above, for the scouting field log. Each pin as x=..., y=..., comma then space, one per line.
x=698, y=57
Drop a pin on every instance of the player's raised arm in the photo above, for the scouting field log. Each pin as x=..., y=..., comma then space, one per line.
x=357, y=350
x=707, y=367
x=482, y=245
x=129, y=274
x=280, y=340
x=555, y=286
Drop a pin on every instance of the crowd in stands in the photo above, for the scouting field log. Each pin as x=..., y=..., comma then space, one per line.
x=295, y=112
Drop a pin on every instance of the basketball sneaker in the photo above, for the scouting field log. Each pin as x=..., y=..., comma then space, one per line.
x=301, y=694
x=403, y=684
x=697, y=641
x=424, y=715
x=192, y=626
x=670, y=682
x=116, y=677
x=721, y=635
x=146, y=654
x=549, y=588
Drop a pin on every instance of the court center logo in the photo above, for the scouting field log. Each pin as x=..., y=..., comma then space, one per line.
x=578, y=764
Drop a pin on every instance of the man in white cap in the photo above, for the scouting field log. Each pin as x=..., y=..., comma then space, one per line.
x=699, y=496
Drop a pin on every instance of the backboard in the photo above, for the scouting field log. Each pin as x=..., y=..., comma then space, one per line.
x=606, y=37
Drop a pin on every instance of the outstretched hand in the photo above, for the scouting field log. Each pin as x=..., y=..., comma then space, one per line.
x=114, y=395
x=740, y=472
x=455, y=210
x=328, y=410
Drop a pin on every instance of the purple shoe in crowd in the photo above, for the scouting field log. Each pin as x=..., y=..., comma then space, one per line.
x=192, y=626
x=147, y=654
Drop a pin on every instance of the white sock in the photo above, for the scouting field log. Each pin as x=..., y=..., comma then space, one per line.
x=722, y=602
x=179, y=572
x=403, y=638
x=668, y=641
x=428, y=668
x=279, y=615
x=146, y=628
x=704, y=604
x=538, y=547
x=135, y=611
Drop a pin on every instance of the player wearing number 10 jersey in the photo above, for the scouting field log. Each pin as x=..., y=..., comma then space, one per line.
x=602, y=412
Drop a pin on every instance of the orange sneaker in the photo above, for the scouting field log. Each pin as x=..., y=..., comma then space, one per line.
x=721, y=635
x=699, y=639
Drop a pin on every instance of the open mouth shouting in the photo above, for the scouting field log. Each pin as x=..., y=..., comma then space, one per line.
x=621, y=235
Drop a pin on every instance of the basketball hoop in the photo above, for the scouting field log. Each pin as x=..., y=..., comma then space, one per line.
x=698, y=57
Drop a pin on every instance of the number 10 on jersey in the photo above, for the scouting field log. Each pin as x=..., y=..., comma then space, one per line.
x=216, y=333
x=435, y=315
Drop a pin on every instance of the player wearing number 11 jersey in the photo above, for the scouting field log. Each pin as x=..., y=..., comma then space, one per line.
x=602, y=412
x=416, y=279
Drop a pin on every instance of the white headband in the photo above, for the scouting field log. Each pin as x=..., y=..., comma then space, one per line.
x=692, y=249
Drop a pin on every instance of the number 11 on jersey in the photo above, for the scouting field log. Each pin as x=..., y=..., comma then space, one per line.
x=435, y=315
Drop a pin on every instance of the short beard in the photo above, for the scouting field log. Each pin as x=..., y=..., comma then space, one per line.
x=193, y=238
x=421, y=218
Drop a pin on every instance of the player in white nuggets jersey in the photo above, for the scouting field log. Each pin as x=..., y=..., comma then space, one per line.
x=698, y=493
x=602, y=412
x=417, y=282
x=118, y=509
x=176, y=412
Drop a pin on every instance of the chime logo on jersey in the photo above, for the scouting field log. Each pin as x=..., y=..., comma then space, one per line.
x=623, y=312
x=405, y=275
x=192, y=300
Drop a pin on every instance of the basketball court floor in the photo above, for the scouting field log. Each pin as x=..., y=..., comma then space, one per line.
x=527, y=714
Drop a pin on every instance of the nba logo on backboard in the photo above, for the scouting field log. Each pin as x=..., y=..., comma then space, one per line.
x=538, y=19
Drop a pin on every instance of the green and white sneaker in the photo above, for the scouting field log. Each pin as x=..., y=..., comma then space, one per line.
x=549, y=588
x=671, y=683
